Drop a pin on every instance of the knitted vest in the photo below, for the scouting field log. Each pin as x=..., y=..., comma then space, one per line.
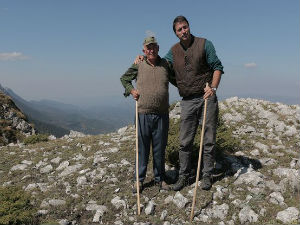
x=191, y=69
x=152, y=85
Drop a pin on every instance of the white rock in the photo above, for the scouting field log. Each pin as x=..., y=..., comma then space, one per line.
x=42, y=212
x=63, y=222
x=238, y=203
x=179, y=200
x=122, y=130
x=56, y=202
x=220, y=211
x=19, y=167
x=276, y=198
x=30, y=187
x=69, y=170
x=51, y=138
x=111, y=150
x=261, y=146
x=267, y=161
x=55, y=160
x=118, y=202
x=164, y=214
x=81, y=180
x=288, y=216
x=97, y=216
x=247, y=215
x=169, y=199
x=291, y=131
x=63, y=165
x=76, y=134
x=46, y=169
x=149, y=210
x=27, y=162
x=255, y=152
x=251, y=177
x=99, y=158
x=125, y=162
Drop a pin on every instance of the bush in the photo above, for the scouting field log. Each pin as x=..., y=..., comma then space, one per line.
x=15, y=207
x=225, y=142
x=35, y=139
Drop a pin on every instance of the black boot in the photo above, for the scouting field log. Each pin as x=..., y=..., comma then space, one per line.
x=181, y=183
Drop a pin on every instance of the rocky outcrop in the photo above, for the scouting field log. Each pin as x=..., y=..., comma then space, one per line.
x=13, y=123
x=81, y=179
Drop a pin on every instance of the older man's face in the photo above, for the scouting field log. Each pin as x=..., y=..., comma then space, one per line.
x=182, y=30
x=151, y=51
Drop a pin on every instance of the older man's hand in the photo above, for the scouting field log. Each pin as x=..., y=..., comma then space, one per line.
x=135, y=94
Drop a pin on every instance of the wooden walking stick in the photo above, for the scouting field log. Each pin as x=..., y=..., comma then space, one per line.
x=137, y=158
x=199, y=159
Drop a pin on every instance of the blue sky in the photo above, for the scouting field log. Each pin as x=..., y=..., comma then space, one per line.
x=76, y=51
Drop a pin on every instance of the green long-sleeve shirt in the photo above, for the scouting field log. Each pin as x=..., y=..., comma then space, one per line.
x=132, y=72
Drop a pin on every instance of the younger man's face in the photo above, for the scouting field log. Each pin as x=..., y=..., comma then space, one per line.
x=182, y=30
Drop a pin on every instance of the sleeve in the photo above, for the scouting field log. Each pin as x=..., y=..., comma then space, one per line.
x=128, y=77
x=171, y=73
x=211, y=57
x=169, y=56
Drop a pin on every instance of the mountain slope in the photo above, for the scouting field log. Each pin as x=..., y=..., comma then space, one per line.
x=88, y=180
x=13, y=123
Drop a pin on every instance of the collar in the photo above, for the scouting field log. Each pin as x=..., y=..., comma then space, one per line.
x=192, y=41
x=157, y=62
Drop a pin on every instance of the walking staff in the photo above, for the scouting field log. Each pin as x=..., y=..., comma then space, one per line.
x=137, y=157
x=199, y=159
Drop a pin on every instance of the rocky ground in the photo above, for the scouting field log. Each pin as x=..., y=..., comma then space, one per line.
x=82, y=179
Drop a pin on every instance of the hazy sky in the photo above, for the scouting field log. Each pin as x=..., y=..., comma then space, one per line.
x=74, y=51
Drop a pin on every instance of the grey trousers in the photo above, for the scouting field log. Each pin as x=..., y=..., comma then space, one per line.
x=192, y=110
x=152, y=127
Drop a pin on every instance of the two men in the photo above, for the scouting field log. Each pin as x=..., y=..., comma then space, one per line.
x=195, y=63
x=153, y=76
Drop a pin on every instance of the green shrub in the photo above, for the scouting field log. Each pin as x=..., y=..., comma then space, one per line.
x=225, y=142
x=35, y=139
x=15, y=207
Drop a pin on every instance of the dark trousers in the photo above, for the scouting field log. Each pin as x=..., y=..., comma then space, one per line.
x=192, y=110
x=152, y=127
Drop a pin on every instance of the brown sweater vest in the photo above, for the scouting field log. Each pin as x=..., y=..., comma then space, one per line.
x=191, y=69
x=152, y=85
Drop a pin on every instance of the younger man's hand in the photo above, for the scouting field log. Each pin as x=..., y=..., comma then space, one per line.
x=138, y=59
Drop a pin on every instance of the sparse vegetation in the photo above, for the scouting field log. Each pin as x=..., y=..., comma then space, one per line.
x=15, y=207
x=33, y=139
x=225, y=142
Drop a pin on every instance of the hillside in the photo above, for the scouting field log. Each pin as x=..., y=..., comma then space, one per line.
x=14, y=125
x=87, y=180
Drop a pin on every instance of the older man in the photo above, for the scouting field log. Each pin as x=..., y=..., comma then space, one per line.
x=152, y=81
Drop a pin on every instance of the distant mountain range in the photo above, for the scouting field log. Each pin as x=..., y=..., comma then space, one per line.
x=58, y=118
